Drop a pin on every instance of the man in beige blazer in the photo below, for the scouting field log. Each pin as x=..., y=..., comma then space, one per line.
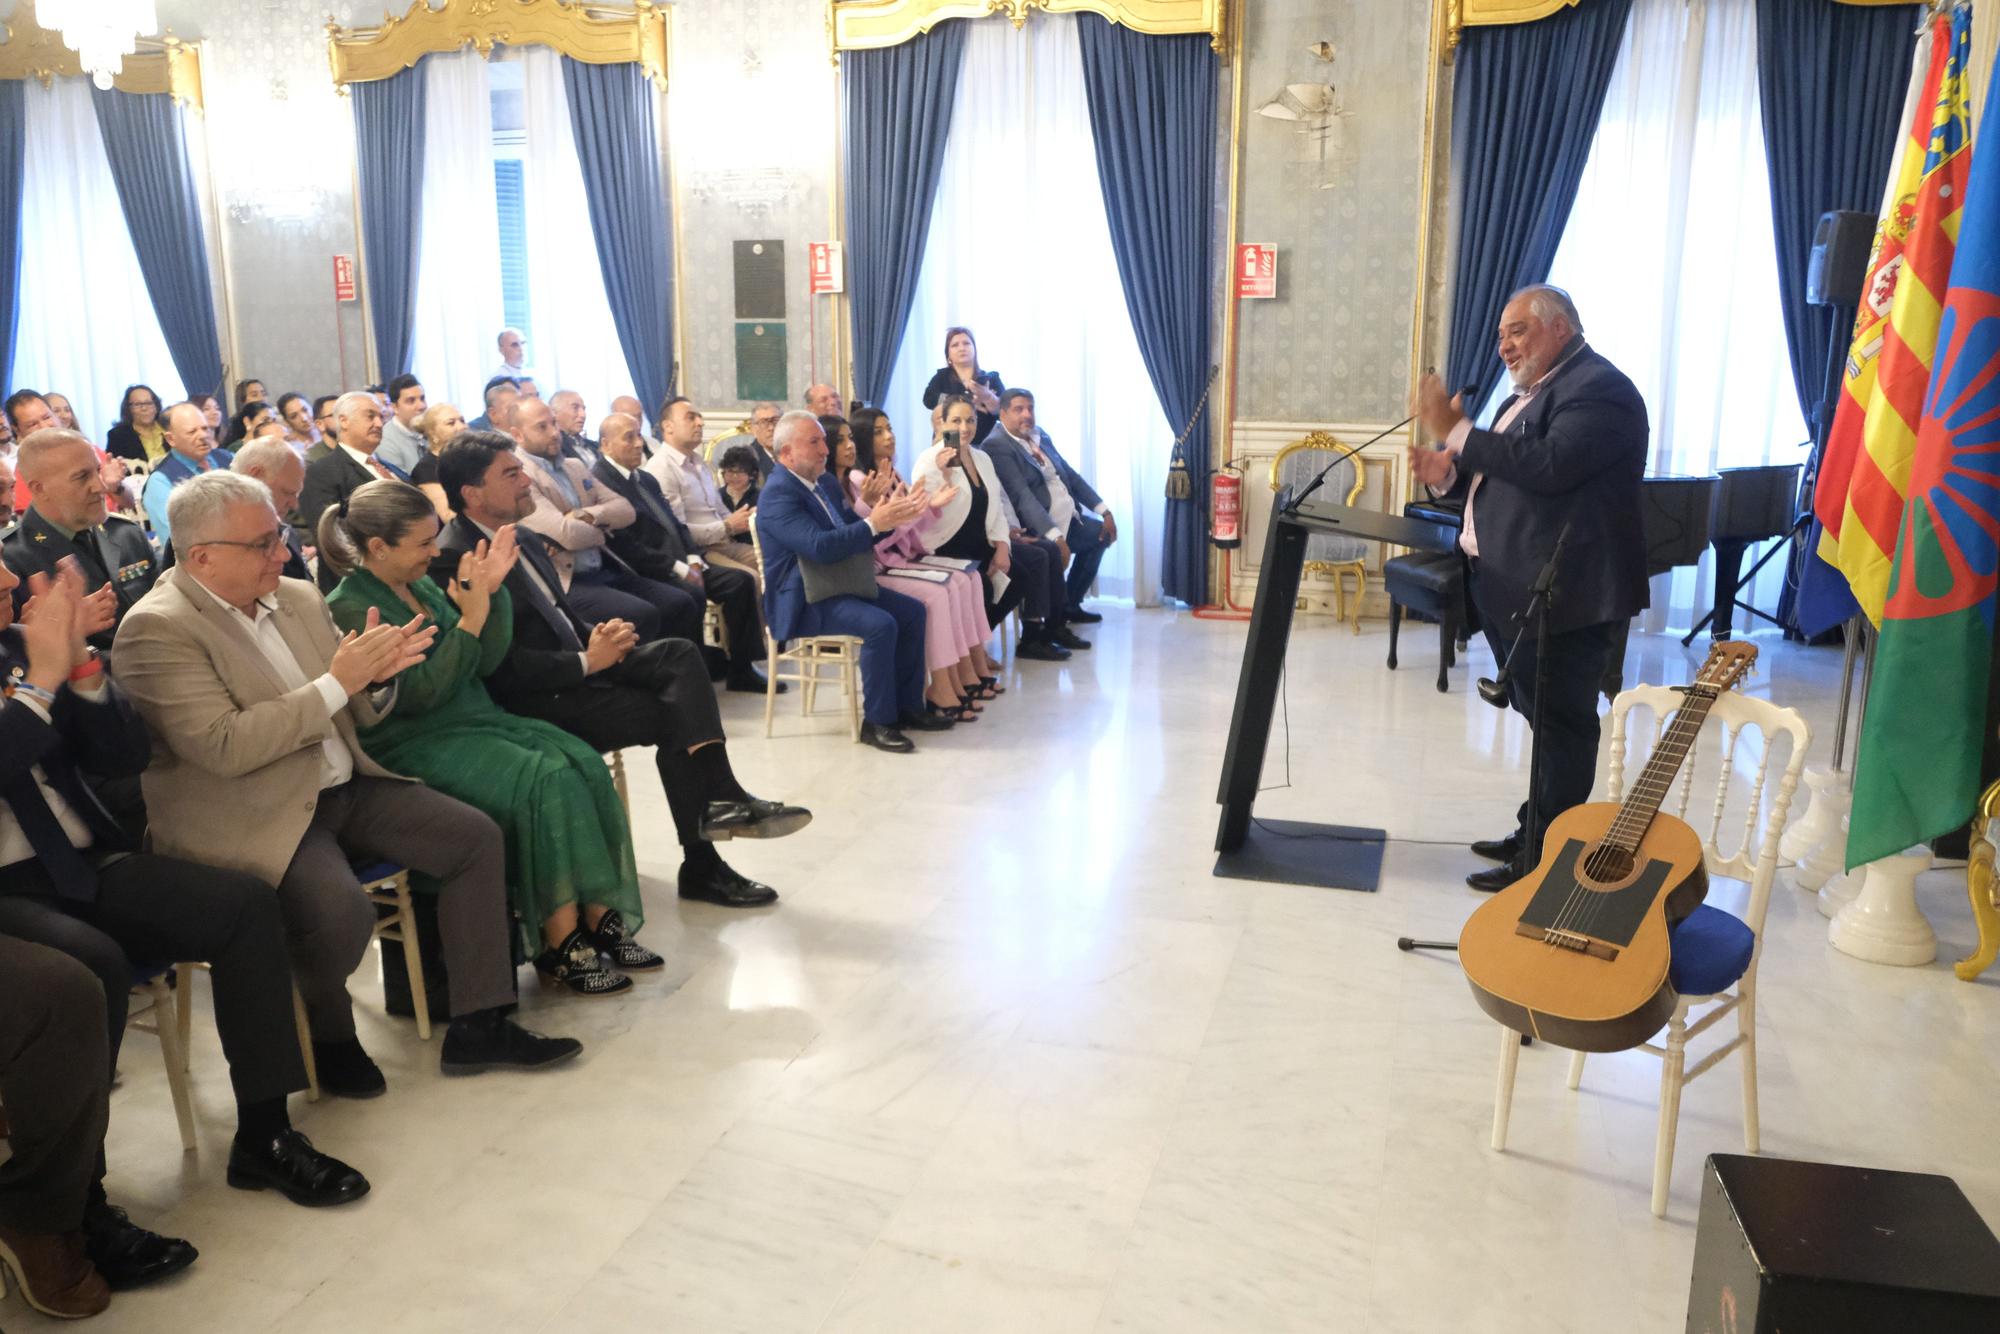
x=255, y=697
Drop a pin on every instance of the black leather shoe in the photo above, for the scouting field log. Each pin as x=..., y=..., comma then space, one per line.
x=722, y=885
x=754, y=818
x=290, y=1165
x=1041, y=650
x=1065, y=637
x=1078, y=616
x=749, y=681
x=346, y=1071
x=477, y=1042
x=887, y=738
x=127, y=1255
x=1495, y=878
x=1498, y=849
x=926, y=722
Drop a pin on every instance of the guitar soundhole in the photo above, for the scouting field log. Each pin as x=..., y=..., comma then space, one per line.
x=1607, y=864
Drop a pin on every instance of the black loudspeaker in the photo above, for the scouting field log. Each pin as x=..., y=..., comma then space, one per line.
x=1839, y=260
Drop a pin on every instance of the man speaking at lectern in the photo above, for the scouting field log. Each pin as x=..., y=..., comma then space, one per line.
x=1567, y=450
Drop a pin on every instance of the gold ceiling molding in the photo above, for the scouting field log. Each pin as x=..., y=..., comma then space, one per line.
x=865, y=24
x=582, y=31
x=164, y=64
x=1462, y=14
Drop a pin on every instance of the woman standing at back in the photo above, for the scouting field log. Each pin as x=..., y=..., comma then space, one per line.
x=961, y=375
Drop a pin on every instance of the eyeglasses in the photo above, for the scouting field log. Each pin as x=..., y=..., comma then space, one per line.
x=763, y=421
x=263, y=546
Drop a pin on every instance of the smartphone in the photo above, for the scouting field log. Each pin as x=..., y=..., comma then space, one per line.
x=951, y=438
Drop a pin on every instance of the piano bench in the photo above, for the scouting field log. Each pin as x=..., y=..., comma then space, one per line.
x=1432, y=585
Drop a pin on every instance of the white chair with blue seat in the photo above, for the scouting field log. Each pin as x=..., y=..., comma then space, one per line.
x=1715, y=952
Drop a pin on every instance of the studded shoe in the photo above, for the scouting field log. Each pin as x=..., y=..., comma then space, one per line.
x=613, y=940
x=575, y=964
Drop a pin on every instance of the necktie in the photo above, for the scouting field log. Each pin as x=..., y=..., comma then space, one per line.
x=66, y=867
x=381, y=469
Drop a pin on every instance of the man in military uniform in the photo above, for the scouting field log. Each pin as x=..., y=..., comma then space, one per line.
x=66, y=518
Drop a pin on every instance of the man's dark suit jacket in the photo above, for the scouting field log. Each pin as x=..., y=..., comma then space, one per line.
x=36, y=545
x=105, y=738
x=329, y=481
x=1575, y=456
x=646, y=544
x=542, y=659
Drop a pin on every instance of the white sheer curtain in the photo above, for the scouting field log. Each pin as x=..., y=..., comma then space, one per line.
x=87, y=327
x=574, y=344
x=458, y=307
x=1020, y=252
x=1669, y=254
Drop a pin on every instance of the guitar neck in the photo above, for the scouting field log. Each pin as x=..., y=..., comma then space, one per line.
x=1642, y=803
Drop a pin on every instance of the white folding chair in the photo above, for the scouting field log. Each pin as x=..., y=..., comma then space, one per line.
x=810, y=657
x=1715, y=953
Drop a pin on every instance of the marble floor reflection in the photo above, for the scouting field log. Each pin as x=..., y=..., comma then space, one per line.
x=1008, y=1058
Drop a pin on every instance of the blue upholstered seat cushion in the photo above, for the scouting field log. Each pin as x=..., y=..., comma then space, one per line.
x=372, y=872
x=1710, y=951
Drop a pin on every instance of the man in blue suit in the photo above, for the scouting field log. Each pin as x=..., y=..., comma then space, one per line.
x=801, y=517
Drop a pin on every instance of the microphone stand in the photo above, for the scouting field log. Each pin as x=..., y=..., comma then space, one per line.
x=1541, y=596
x=1292, y=505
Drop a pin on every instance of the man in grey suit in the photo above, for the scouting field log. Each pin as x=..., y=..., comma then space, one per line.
x=1053, y=500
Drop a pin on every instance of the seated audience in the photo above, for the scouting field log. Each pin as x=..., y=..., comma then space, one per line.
x=576, y=515
x=802, y=523
x=690, y=488
x=1052, y=498
x=631, y=407
x=138, y=435
x=248, y=392
x=738, y=469
x=569, y=410
x=322, y=427
x=191, y=452
x=65, y=414
x=56, y=1085
x=569, y=861
x=658, y=546
x=763, y=424
x=350, y=463
x=6, y=498
x=977, y=526
x=513, y=355
x=601, y=684
x=960, y=375
x=822, y=400
x=297, y=415
x=273, y=463
x=245, y=422
x=500, y=389
x=955, y=624
x=211, y=412
x=25, y=412
x=75, y=879
x=66, y=521
x=438, y=426
x=256, y=700
x=403, y=446
x=526, y=385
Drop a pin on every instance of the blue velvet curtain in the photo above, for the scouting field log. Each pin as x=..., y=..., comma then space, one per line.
x=1525, y=103
x=1152, y=117
x=13, y=147
x=611, y=110
x=898, y=114
x=389, y=147
x=1831, y=79
x=147, y=148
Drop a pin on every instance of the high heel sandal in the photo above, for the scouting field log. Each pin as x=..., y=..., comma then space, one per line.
x=960, y=713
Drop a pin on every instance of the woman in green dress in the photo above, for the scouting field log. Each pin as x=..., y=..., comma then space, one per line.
x=569, y=849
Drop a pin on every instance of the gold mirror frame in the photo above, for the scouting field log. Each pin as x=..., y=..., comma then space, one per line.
x=576, y=28
x=164, y=64
x=856, y=25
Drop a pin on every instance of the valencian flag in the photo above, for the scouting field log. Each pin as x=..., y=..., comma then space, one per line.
x=1863, y=482
x=1917, y=774
x=1824, y=600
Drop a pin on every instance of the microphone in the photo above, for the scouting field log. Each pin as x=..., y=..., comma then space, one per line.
x=1494, y=690
x=1352, y=450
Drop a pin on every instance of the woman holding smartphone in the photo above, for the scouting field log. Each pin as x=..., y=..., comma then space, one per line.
x=972, y=526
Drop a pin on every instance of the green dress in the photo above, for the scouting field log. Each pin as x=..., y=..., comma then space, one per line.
x=550, y=793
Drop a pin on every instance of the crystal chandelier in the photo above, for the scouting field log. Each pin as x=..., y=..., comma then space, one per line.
x=101, y=32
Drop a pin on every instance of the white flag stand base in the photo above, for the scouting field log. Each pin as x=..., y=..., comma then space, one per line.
x=1826, y=855
x=1821, y=820
x=1840, y=888
x=1883, y=924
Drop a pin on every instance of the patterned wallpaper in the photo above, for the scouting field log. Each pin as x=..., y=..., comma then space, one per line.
x=1333, y=345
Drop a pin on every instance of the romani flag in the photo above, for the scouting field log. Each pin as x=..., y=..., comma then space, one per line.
x=1864, y=476
x=1917, y=773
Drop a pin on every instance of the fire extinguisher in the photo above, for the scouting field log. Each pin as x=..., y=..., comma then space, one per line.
x=1225, y=507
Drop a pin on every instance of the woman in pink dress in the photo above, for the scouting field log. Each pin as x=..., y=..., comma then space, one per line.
x=955, y=628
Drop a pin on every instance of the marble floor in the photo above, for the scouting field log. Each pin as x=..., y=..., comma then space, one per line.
x=1008, y=1058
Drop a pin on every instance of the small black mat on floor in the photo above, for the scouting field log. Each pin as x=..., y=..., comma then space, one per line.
x=1295, y=852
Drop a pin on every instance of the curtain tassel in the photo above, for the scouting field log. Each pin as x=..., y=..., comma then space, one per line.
x=1179, y=485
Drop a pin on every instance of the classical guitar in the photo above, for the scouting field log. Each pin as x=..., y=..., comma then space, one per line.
x=1576, y=950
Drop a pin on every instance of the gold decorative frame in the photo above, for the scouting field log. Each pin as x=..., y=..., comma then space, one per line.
x=1333, y=569
x=855, y=25
x=1983, y=888
x=576, y=28
x=1461, y=14
x=164, y=64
